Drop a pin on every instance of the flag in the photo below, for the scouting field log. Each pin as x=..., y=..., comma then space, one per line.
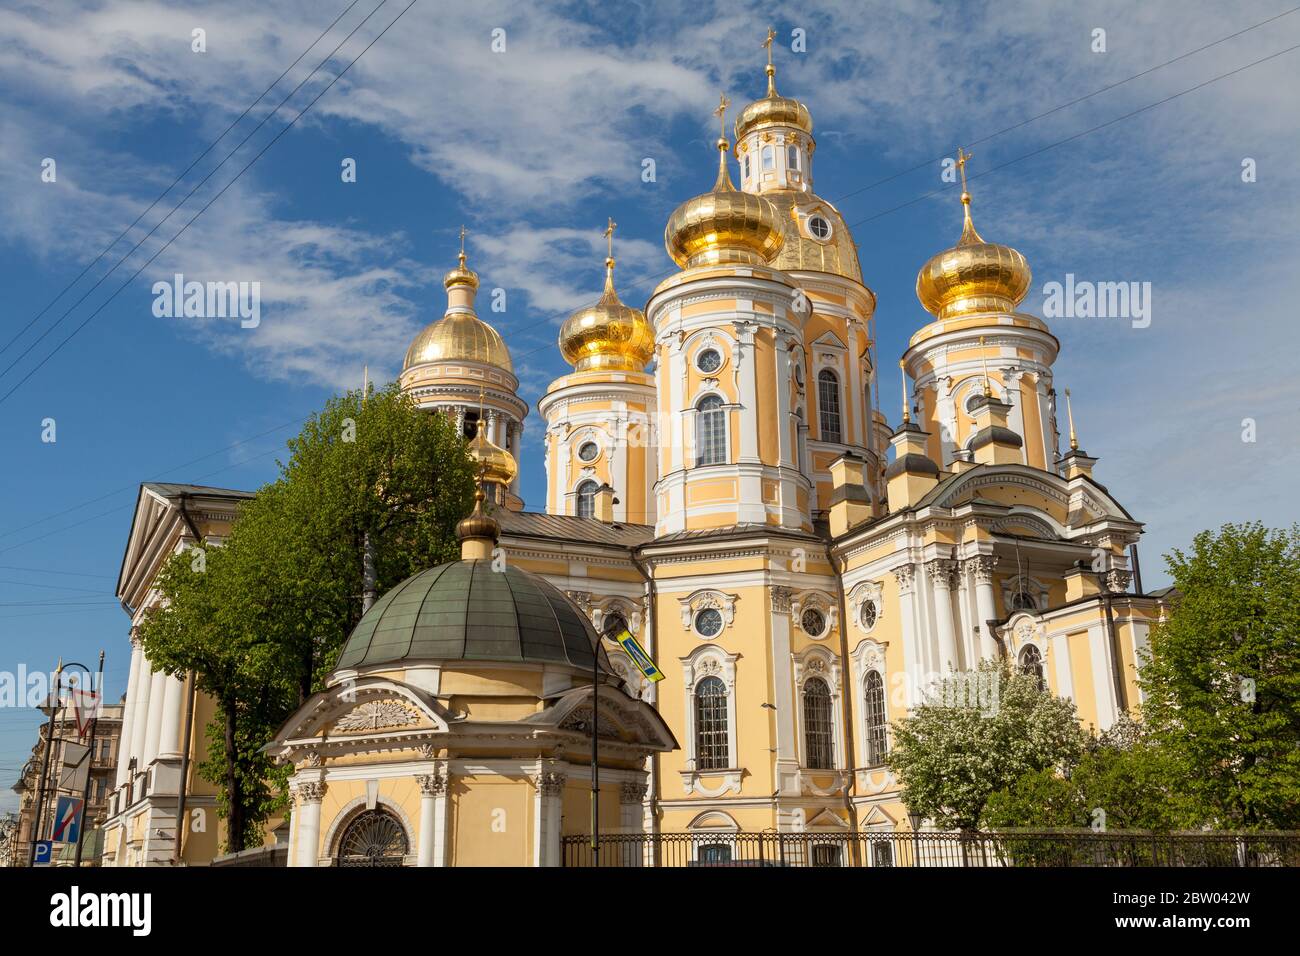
x=639, y=657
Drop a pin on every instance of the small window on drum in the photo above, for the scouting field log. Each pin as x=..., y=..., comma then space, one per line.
x=708, y=622
x=868, y=615
x=813, y=622
x=588, y=451
x=819, y=227
x=586, y=500
x=708, y=361
x=792, y=158
x=744, y=166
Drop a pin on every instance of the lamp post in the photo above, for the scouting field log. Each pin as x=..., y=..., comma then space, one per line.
x=90, y=765
x=916, y=819
x=55, y=703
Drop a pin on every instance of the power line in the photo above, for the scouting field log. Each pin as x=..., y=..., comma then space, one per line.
x=1073, y=102
x=1079, y=135
x=157, y=225
x=186, y=172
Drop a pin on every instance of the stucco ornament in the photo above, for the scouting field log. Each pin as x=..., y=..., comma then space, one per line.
x=377, y=714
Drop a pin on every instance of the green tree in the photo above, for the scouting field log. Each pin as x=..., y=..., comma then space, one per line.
x=1222, y=676
x=264, y=623
x=954, y=752
x=197, y=630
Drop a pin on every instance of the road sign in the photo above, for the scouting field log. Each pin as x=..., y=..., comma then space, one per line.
x=67, y=819
x=44, y=852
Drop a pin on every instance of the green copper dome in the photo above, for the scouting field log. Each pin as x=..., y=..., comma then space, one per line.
x=464, y=610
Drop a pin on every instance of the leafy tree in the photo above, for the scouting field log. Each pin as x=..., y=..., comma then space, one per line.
x=264, y=623
x=952, y=754
x=1222, y=676
x=197, y=630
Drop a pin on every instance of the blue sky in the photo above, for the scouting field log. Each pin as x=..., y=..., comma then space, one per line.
x=533, y=148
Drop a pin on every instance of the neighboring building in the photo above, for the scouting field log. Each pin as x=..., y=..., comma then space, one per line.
x=147, y=785
x=103, y=762
x=737, y=508
x=9, y=839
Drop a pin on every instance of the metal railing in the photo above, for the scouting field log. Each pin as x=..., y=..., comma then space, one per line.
x=1006, y=848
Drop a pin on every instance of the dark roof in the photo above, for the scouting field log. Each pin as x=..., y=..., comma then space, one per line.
x=169, y=490
x=917, y=464
x=995, y=433
x=466, y=610
x=566, y=527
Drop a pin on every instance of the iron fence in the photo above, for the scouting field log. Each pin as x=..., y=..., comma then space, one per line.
x=1005, y=848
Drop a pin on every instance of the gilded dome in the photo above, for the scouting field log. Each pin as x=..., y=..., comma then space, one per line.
x=773, y=110
x=973, y=276
x=608, y=334
x=802, y=250
x=460, y=335
x=724, y=225
x=493, y=462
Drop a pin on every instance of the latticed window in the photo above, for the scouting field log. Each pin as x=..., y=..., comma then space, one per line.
x=586, y=500
x=828, y=401
x=373, y=838
x=711, y=431
x=1031, y=664
x=711, y=748
x=826, y=854
x=874, y=712
x=818, y=733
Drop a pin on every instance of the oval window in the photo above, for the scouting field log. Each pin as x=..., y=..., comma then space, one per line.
x=708, y=622
x=819, y=227
x=709, y=360
x=813, y=622
x=588, y=451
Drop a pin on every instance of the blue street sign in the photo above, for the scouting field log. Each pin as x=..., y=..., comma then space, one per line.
x=44, y=852
x=67, y=819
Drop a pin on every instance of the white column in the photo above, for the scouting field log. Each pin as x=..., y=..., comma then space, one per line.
x=630, y=808
x=140, y=716
x=307, y=797
x=153, y=719
x=905, y=576
x=941, y=573
x=982, y=566
x=747, y=386
x=787, y=755
x=128, y=713
x=432, y=850
x=169, y=738
x=549, y=789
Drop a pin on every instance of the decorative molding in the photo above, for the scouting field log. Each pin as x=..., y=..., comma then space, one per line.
x=433, y=784
x=549, y=783
x=781, y=598
x=942, y=572
x=309, y=791
x=981, y=565
x=1117, y=580
x=632, y=791
x=377, y=714
x=905, y=575
x=862, y=593
x=707, y=598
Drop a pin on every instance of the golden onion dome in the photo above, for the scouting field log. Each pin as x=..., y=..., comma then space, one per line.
x=802, y=250
x=608, y=334
x=773, y=110
x=491, y=461
x=724, y=225
x=460, y=335
x=974, y=275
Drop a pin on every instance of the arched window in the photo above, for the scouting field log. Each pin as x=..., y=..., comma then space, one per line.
x=373, y=838
x=710, y=431
x=828, y=402
x=586, y=499
x=769, y=157
x=792, y=157
x=874, y=713
x=711, y=749
x=744, y=166
x=1031, y=664
x=818, y=733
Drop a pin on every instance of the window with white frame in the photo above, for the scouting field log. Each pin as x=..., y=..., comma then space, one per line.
x=792, y=157
x=710, y=431
x=744, y=166
x=873, y=713
x=818, y=726
x=712, y=750
x=828, y=401
x=1031, y=664
x=769, y=158
x=585, y=500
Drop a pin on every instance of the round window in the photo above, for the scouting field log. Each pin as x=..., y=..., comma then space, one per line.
x=614, y=625
x=819, y=227
x=588, y=451
x=708, y=622
x=813, y=622
x=710, y=360
x=868, y=615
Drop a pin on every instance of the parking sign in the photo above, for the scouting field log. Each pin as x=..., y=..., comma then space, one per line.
x=44, y=852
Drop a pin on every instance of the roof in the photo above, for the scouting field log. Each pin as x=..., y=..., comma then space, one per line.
x=467, y=610
x=170, y=490
x=534, y=524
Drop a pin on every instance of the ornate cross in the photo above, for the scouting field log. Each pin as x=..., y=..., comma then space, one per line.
x=721, y=114
x=609, y=237
x=771, y=35
x=962, y=157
